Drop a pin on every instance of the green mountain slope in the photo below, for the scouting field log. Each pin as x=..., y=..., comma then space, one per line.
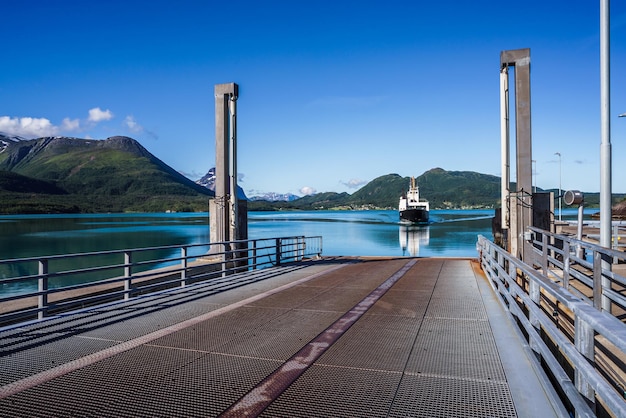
x=382, y=192
x=459, y=189
x=116, y=175
x=443, y=189
x=13, y=182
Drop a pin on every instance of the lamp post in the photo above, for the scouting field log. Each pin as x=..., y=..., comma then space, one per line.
x=559, y=154
x=535, y=175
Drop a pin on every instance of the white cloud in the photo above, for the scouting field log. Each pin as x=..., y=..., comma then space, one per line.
x=306, y=190
x=354, y=183
x=135, y=128
x=97, y=115
x=27, y=126
x=70, y=125
x=132, y=124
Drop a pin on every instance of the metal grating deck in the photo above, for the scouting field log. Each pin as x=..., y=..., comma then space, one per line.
x=424, y=347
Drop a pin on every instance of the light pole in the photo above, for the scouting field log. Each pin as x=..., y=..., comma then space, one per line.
x=559, y=154
x=535, y=173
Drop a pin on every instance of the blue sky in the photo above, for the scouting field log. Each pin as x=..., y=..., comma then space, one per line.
x=332, y=93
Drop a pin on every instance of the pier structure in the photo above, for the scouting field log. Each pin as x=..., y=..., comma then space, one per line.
x=373, y=337
x=321, y=336
x=517, y=205
x=228, y=214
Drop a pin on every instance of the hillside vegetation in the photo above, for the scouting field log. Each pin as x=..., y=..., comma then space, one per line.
x=71, y=175
x=50, y=175
x=443, y=189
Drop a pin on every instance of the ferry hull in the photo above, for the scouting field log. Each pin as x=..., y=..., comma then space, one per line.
x=415, y=216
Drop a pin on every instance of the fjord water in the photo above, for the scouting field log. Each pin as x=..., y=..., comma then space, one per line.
x=451, y=233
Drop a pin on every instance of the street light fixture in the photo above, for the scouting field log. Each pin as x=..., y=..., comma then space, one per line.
x=559, y=154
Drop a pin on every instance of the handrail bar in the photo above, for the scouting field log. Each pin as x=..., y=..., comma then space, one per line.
x=524, y=303
x=573, y=253
x=135, y=273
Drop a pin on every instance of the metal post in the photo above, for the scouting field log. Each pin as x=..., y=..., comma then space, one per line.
x=560, y=189
x=544, y=254
x=278, y=255
x=535, y=176
x=597, y=280
x=232, y=173
x=566, y=264
x=222, y=159
x=584, y=341
x=42, y=287
x=128, y=259
x=605, y=146
x=254, y=255
x=225, y=163
x=225, y=257
x=520, y=59
x=579, y=231
x=534, y=291
x=183, y=266
x=504, y=149
x=605, y=111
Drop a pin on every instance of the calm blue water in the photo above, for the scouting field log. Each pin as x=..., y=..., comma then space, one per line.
x=451, y=233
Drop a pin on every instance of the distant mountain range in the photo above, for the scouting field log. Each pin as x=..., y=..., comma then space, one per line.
x=73, y=175
x=208, y=181
x=60, y=174
x=443, y=189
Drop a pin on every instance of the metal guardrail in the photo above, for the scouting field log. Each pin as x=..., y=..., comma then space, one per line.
x=581, y=267
x=73, y=281
x=618, y=232
x=566, y=331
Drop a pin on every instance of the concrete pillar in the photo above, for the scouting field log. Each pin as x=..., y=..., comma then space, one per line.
x=223, y=94
x=226, y=221
x=520, y=59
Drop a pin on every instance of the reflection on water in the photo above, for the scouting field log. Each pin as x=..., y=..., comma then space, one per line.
x=379, y=233
x=451, y=233
x=411, y=237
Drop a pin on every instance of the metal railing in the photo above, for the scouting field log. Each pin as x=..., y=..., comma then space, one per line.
x=36, y=287
x=581, y=267
x=580, y=346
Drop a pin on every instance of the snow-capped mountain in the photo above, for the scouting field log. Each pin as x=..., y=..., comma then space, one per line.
x=208, y=181
x=276, y=197
x=6, y=139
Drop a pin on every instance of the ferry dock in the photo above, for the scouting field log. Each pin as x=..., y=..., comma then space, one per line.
x=340, y=337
